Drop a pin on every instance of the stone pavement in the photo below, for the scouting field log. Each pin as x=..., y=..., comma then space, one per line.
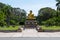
x=30, y=33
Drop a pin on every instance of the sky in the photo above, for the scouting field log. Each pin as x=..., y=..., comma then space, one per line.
x=33, y=5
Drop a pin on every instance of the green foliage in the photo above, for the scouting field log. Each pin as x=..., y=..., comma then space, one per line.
x=9, y=28
x=45, y=13
x=48, y=17
x=51, y=28
x=50, y=22
x=12, y=22
x=11, y=16
x=2, y=18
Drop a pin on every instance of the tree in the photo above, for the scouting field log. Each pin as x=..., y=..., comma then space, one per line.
x=58, y=12
x=13, y=16
x=58, y=4
x=45, y=13
x=23, y=17
x=18, y=15
x=58, y=0
x=2, y=19
x=7, y=10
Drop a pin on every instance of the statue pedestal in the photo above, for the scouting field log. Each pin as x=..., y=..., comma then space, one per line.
x=30, y=23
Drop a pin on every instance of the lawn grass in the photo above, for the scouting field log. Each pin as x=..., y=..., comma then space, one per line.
x=51, y=28
x=9, y=28
x=43, y=27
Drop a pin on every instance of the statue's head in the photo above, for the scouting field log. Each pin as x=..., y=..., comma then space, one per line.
x=30, y=11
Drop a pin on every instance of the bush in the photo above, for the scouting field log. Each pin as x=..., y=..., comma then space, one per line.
x=21, y=23
x=13, y=26
x=50, y=22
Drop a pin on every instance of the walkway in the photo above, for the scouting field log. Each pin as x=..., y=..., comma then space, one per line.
x=30, y=33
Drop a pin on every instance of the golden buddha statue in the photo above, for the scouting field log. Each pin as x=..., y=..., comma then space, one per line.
x=30, y=15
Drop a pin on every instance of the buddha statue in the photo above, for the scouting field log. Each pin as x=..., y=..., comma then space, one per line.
x=30, y=15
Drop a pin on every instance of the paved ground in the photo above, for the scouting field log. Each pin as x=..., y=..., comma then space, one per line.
x=30, y=33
